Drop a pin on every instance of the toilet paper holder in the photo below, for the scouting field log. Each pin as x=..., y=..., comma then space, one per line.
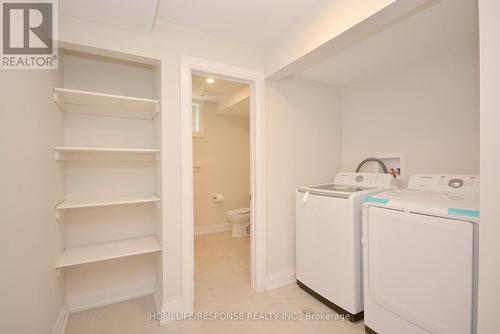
x=218, y=198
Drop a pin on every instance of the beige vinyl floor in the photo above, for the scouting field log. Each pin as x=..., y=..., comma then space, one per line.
x=222, y=277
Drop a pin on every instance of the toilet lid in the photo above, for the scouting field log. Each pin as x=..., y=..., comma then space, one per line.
x=240, y=211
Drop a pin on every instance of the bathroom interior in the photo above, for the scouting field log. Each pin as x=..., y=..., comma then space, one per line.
x=221, y=184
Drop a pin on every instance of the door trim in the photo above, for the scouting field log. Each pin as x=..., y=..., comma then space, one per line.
x=255, y=80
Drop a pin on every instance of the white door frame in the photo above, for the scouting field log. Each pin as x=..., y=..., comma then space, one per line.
x=190, y=65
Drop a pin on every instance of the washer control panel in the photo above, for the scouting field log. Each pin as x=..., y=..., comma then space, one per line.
x=367, y=180
x=445, y=183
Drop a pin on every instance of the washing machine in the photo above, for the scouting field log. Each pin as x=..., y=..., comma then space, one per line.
x=420, y=251
x=328, y=239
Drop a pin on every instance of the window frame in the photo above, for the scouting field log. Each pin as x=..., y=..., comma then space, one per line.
x=201, y=119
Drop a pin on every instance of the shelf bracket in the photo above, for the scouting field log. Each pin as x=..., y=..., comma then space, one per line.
x=59, y=101
x=58, y=272
x=58, y=212
x=158, y=203
x=57, y=155
x=156, y=111
x=157, y=156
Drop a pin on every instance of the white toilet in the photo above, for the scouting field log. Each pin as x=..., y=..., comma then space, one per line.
x=240, y=218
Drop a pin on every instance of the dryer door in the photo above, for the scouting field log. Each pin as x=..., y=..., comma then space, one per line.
x=421, y=268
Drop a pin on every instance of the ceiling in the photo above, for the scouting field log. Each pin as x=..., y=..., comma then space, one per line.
x=256, y=22
x=446, y=26
x=132, y=15
x=214, y=92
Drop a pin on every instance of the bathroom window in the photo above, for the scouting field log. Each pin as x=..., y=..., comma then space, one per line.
x=198, y=120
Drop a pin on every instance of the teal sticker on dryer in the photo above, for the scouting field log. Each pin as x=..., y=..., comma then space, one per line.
x=376, y=200
x=463, y=212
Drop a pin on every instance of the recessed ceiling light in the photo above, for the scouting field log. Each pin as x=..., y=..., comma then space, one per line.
x=210, y=80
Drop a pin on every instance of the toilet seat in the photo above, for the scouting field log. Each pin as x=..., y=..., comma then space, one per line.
x=239, y=211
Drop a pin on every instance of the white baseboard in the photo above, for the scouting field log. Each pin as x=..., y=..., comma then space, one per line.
x=280, y=279
x=213, y=228
x=62, y=320
x=171, y=307
x=100, y=297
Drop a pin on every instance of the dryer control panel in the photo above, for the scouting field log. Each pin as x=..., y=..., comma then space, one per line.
x=466, y=184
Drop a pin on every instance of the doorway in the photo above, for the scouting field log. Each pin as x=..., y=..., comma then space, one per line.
x=221, y=188
x=195, y=66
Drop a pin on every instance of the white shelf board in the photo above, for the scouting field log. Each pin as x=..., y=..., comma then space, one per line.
x=72, y=149
x=107, y=250
x=109, y=105
x=105, y=201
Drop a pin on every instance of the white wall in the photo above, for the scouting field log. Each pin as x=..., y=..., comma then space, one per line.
x=303, y=147
x=428, y=112
x=31, y=185
x=223, y=155
x=167, y=43
x=325, y=21
x=489, y=257
x=303, y=122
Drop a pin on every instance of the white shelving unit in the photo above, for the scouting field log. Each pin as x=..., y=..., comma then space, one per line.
x=61, y=150
x=107, y=104
x=119, y=153
x=107, y=251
